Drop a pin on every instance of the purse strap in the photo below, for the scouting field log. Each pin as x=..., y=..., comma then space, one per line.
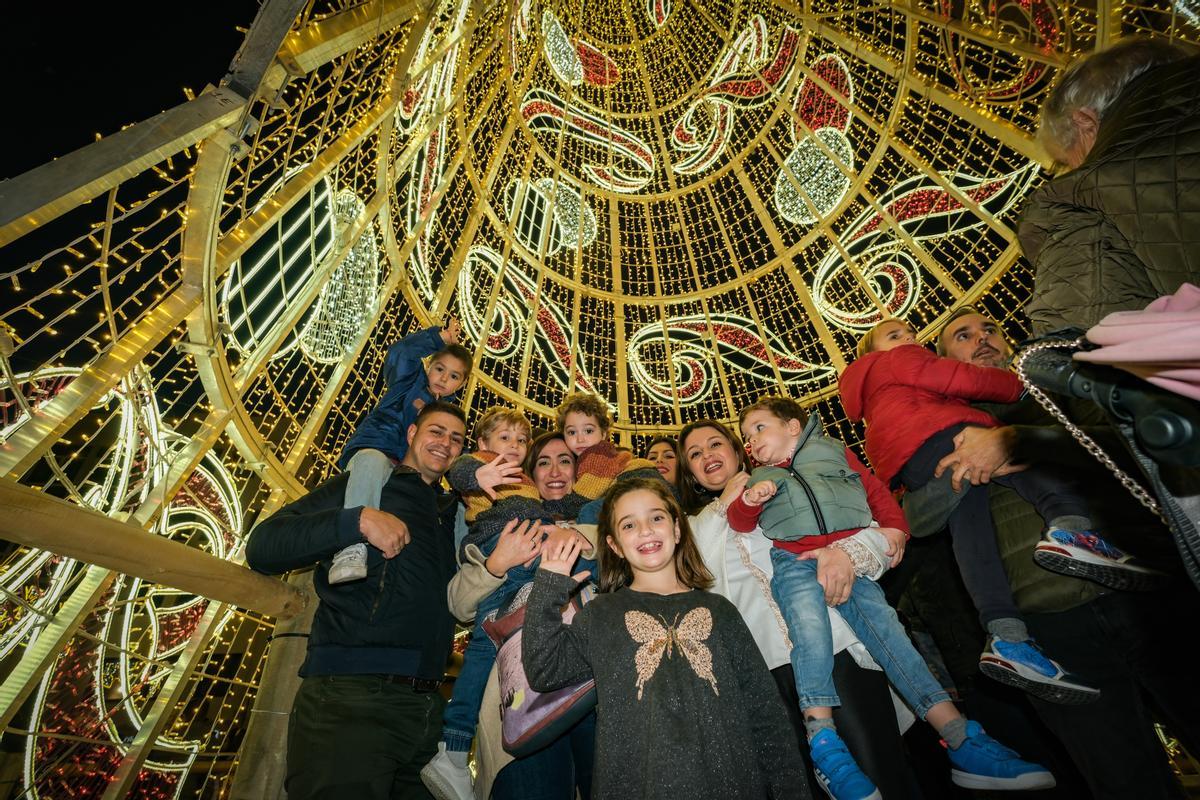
x=1139, y=493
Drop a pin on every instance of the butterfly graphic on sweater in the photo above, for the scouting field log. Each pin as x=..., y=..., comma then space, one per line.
x=658, y=638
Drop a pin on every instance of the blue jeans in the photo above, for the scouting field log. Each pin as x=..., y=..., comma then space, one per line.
x=802, y=602
x=462, y=713
x=554, y=773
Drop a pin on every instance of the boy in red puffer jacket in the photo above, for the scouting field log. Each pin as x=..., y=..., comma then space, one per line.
x=914, y=404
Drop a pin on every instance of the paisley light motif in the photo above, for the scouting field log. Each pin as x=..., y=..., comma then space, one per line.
x=692, y=349
x=924, y=211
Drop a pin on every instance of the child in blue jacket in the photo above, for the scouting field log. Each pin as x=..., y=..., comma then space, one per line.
x=381, y=440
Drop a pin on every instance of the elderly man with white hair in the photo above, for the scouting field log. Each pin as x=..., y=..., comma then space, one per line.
x=1121, y=226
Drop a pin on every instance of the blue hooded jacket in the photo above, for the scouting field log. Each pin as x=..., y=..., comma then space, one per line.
x=386, y=426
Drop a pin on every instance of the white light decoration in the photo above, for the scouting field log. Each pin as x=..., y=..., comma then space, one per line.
x=810, y=175
x=350, y=297
x=274, y=271
x=560, y=52
x=692, y=341
x=925, y=210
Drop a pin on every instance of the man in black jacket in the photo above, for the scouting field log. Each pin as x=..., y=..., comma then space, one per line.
x=368, y=714
x=1124, y=643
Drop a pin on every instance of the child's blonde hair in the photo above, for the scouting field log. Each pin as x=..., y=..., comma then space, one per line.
x=585, y=403
x=498, y=416
x=867, y=343
x=615, y=571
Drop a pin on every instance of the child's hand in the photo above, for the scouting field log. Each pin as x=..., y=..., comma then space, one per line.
x=452, y=331
x=896, y=540
x=497, y=472
x=556, y=535
x=759, y=493
x=561, y=556
x=519, y=543
x=735, y=486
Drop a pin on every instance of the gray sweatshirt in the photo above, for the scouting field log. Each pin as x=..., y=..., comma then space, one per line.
x=686, y=706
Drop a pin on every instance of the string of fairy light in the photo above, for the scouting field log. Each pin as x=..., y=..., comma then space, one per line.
x=677, y=205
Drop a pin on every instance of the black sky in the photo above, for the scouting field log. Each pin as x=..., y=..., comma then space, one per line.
x=72, y=70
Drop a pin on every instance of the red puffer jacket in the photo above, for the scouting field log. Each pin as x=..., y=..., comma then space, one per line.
x=908, y=394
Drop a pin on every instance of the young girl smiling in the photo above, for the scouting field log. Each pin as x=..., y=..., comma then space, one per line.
x=686, y=707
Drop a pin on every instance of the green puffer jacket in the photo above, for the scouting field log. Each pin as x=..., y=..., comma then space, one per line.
x=820, y=493
x=1123, y=228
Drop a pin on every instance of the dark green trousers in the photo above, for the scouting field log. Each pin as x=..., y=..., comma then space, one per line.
x=357, y=736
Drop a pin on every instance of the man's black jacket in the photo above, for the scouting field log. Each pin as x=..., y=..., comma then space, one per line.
x=396, y=620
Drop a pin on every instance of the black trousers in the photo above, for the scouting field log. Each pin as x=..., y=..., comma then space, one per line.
x=971, y=527
x=362, y=737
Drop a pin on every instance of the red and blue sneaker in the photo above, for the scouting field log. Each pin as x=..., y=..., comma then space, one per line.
x=983, y=763
x=1025, y=666
x=1086, y=555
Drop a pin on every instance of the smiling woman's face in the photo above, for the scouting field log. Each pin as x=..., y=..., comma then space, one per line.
x=710, y=458
x=554, y=471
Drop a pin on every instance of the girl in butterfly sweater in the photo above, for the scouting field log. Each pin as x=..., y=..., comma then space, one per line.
x=686, y=706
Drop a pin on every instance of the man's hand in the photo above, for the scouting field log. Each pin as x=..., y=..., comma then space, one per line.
x=759, y=493
x=979, y=455
x=519, y=543
x=386, y=532
x=452, y=331
x=497, y=472
x=562, y=557
x=896, y=540
x=835, y=573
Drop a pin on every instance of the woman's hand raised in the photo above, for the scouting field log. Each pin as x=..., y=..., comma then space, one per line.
x=519, y=543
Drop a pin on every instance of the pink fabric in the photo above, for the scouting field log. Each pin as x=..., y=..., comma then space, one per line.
x=1160, y=344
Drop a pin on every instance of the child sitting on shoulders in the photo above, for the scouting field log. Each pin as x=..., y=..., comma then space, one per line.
x=811, y=495
x=380, y=441
x=914, y=404
x=686, y=706
x=584, y=422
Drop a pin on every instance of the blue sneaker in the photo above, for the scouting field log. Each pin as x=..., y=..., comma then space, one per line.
x=983, y=763
x=1025, y=666
x=836, y=771
x=1086, y=555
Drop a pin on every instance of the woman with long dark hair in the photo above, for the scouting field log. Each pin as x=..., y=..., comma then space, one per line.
x=713, y=471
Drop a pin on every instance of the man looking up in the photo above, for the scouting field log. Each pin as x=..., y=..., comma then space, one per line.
x=1123, y=643
x=368, y=714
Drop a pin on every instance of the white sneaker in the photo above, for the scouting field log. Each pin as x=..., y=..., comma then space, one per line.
x=349, y=564
x=444, y=779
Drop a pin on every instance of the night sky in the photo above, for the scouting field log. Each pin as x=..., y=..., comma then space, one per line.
x=74, y=70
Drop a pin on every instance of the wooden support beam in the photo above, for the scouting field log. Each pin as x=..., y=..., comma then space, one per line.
x=44, y=193
x=262, y=760
x=321, y=42
x=36, y=519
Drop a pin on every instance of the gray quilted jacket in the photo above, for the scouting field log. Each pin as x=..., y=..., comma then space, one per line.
x=1123, y=228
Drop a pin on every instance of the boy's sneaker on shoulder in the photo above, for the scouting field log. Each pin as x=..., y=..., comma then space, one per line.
x=836, y=770
x=444, y=779
x=1024, y=665
x=349, y=564
x=983, y=763
x=1086, y=555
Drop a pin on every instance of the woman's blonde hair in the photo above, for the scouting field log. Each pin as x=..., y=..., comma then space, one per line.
x=615, y=571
